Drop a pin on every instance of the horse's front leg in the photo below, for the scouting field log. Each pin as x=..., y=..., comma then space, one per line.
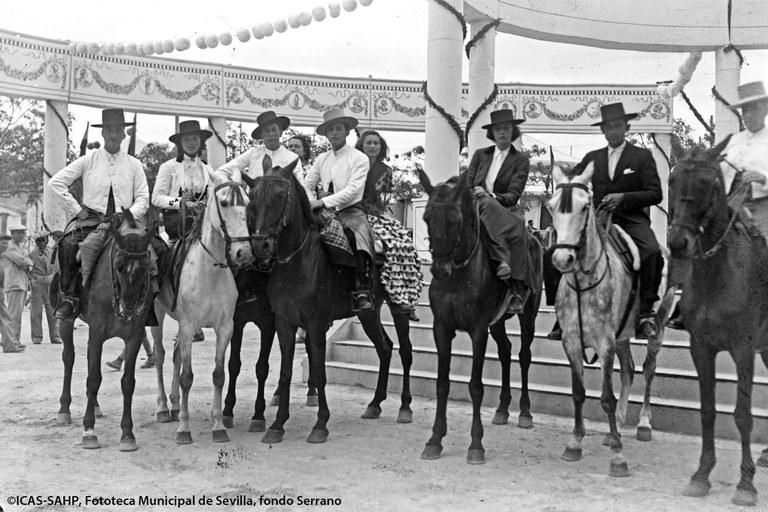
x=618, y=467
x=762, y=461
x=235, y=363
x=128, y=384
x=163, y=414
x=443, y=340
x=286, y=334
x=504, y=350
x=316, y=354
x=372, y=325
x=402, y=326
x=223, y=335
x=93, y=382
x=476, y=452
x=267, y=332
x=573, y=450
x=627, y=373
x=182, y=360
x=744, y=357
x=527, y=333
x=644, y=430
x=64, y=416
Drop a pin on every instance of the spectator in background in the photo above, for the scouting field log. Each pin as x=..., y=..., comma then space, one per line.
x=41, y=276
x=300, y=145
x=16, y=279
x=5, y=319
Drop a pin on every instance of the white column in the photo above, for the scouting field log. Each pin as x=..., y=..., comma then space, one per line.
x=54, y=160
x=658, y=219
x=444, y=59
x=482, y=71
x=727, y=76
x=217, y=152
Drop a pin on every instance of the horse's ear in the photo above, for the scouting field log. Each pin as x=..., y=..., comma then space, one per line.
x=461, y=187
x=128, y=218
x=585, y=176
x=557, y=175
x=266, y=165
x=216, y=180
x=715, y=151
x=426, y=183
x=288, y=169
x=248, y=180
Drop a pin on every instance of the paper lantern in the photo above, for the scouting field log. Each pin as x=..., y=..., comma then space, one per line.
x=349, y=5
x=148, y=48
x=158, y=46
x=130, y=49
x=305, y=18
x=293, y=21
x=243, y=35
x=200, y=42
x=365, y=3
x=168, y=46
x=280, y=26
x=256, y=30
x=318, y=13
x=211, y=41
x=267, y=29
x=334, y=9
x=225, y=38
x=182, y=44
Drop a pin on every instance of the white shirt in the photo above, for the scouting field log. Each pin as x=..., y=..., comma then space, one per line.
x=493, y=170
x=347, y=169
x=747, y=151
x=99, y=171
x=189, y=178
x=253, y=158
x=614, y=154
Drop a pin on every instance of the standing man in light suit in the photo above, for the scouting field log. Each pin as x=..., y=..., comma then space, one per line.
x=16, y=277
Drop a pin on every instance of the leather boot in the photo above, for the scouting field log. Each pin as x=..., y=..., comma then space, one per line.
x=520, y=294
x=361, y=296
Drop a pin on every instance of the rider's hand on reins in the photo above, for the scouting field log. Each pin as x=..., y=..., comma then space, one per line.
x=612, y=201
x=753, y=177
x=316, y=204
x=480, y=192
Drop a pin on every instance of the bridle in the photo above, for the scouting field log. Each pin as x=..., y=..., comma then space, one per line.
x=118, y=306
x=228, y=240
x=454, y=265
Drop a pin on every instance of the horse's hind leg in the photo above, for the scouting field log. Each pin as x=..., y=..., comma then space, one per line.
x=235, y=363
x=644, y=431
x=627, y=373
x=762, y=461
x=371, y=322
x=527, y=333
x=64, y=417
x=618, y=467
x=223, y=335
x=128, y=384
x=443, y=340
x=93, y=382
x=175, y=394
x=744, y=357
x=504, y=350
x=267, y=328
x=312, y=399
x=402, y=326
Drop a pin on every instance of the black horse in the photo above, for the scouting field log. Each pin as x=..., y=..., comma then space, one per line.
x=114, y=304
x=466, y=295
x=725, y=299
x=305, y=289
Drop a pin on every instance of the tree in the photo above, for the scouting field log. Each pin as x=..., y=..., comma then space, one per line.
x=152, y=156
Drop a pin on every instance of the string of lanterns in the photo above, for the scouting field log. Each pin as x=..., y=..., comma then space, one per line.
x=203, y=41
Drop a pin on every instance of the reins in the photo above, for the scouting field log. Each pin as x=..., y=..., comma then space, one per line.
x=228, y=240
x=117, y=306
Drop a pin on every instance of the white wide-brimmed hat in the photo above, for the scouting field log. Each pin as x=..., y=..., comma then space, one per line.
x=752, y=92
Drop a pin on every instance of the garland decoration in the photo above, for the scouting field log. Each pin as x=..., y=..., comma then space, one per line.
x=487, y=101
x=719, y=97
x=698, y=115
x=448, y=117
x=480, y=34
x=457, y=14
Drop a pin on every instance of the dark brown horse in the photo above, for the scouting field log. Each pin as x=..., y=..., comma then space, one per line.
x=305, y=289
x=724, y=303
x=465, y=294
x=114, y=304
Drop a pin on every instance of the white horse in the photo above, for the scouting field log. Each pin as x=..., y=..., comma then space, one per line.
x=594, y=310
x=207, y=297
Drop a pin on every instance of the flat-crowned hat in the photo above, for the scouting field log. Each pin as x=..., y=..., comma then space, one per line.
x=189, y=128
x=112, y=117
x=16, y=225
x=267, y=118
x=752, y=92
x=336, y=115
x=612, y=112
x=502, y=116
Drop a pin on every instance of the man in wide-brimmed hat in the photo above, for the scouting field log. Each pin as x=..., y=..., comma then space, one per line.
x=498, y=174
x=269, y=130
x=112, y=180
x=41, y=276
x=341, y=173
x=625, y=181
x=16, y=278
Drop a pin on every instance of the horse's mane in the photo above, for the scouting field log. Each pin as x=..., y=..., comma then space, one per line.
x=445, y=194
x=306, y=210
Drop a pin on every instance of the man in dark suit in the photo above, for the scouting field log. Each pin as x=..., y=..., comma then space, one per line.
x=626, y=182
x=498, y=174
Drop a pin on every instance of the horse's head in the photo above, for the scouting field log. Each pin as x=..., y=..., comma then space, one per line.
x=130, y=264
x=448, y=215
x=570, y=207
x=696, y=193
x=225, y=214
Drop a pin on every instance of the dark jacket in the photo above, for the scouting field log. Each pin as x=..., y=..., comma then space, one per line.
x=511, y=179
x=635, y=176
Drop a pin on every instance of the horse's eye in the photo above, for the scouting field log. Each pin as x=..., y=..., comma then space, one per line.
x=224, y=203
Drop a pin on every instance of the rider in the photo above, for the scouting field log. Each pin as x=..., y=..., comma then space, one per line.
x=498, y=174
x=112, y=180
x=341, y=174
x=626, y=182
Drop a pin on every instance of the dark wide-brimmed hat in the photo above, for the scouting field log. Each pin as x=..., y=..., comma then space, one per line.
x=190, y=128
x=336, y=115
x=753, y=92
x=112, y=117
x=502, y=116
x=612, y=112
x=267, y=118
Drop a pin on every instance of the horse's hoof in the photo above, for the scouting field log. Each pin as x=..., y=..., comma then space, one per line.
x=257, y=426
x=762, y=461
x=607, y=438
x=164, y=417
x=91, y=443
x=644, y=434
x=128, y=445
x=371, y=413
x=404, y=415
x=228, y=421
x=744, y=498
x=571, y=454
x=312, y=401
x=318, y=435
x=183, y=438
x=432, y=452
x=63, y=418
x=272, y=436
x=275, y=401
x=175, y=415
x=525, y=421
x=619, y=468
x=475, y=456
x=500, y=418
x=219, y=436
x=97, y=412
x=697, y=489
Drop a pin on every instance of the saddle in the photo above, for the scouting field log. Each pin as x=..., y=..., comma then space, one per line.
x=621, y=242
x=172, y=261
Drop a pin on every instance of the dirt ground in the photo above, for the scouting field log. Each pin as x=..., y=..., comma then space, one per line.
x=371, y=465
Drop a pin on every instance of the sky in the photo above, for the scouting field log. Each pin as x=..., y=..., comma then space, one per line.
x=387, y=39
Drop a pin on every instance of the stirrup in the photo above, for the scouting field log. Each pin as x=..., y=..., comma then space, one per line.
x=362, y=301
x=68, y=308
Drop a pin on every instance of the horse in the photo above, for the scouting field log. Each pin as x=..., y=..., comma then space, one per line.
x=115, y=303
x=465, y=294
x=306, y=289
x=206, y=296
x=725, y=299
x=596, y=306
